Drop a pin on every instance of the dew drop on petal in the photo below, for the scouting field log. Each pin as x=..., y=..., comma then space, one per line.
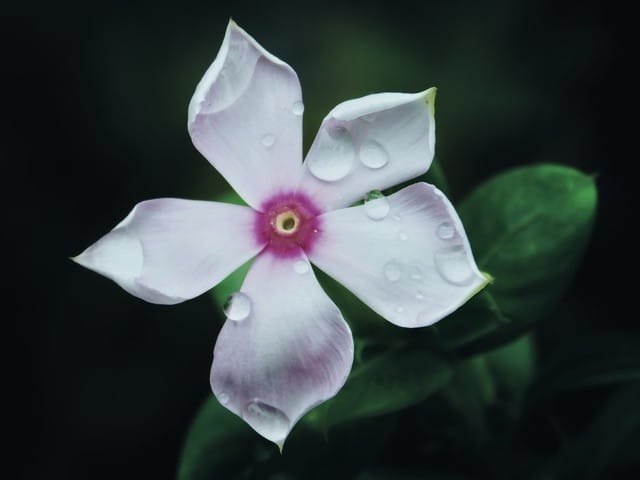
x=399, y=309
x=392, y=271
x=268, y=139
x=453, y=265
x=446, y=231
x=403, y=235
x=268, y=421
x=334, y=155
x=237, y=307
x=373, y=155
x=223, y=398
x=396, y=218
x=376, y=205
x=416, y=274
x=301, y=266
x=419, y=295
x=298, y=108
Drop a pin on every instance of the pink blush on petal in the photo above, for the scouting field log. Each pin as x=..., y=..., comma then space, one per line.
x=286, y=223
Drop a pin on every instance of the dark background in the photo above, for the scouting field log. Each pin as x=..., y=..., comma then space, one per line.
x=93, y=120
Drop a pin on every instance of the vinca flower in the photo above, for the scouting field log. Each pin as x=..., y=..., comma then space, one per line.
x=285, y=346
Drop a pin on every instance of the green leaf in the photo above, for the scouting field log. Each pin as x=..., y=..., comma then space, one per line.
x=513, y=366
x=528, y=228
x=387, y=474
x=387, y=383
x=611, y=439
x=476, y=319
x=220, y=445
x=217, y=445
x=590, y=361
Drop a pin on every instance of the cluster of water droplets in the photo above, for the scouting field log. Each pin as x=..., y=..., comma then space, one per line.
x=334, y=154
x=451, y=260
x=337, y=151
x=269, y=139
x=237, y=307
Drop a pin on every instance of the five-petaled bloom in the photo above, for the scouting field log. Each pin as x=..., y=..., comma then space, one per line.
x=285, y=346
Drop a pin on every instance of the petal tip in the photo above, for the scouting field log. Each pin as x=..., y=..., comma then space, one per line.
x=430, y=97
x=489, y=279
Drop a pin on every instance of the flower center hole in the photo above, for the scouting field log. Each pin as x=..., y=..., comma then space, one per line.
x=286, y=223
x=289, y=224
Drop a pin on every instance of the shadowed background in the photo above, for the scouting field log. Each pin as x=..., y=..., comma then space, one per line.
x=94, y=105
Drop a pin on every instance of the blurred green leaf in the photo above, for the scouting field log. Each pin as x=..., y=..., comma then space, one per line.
x=386, y=474
x=387, y=383
x=471, y=390
x=476, y=319
x=612, y=438
x=218, y=445
x=589, y=361
x=513, y=366
x=528, y=228
x=221, y=445
x=309, y=454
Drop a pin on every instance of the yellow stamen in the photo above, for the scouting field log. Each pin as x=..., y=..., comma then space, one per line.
x=286, y=223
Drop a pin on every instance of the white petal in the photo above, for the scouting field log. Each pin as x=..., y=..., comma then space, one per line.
x=170, y=250
x=245, y=117
x=413, y=267
x=292, y=352
x=370, y=143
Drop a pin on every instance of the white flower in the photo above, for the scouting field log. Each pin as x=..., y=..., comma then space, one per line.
x=285, y=347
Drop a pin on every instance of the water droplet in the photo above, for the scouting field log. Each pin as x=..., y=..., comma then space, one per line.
x=452, y=263
x=403, y=235
x=419, y=295
x=446, y=231
x=397, y=218
x=237, y=307
x=399, y=309
x=301, y=266
x=268, y=421
x=223, y=398
x=332, y=158
x=376, y=205
x=268, y=139
x=393, y=271
x=370, y=117
x=297, y=108
x=416, y=274
x=373, y=155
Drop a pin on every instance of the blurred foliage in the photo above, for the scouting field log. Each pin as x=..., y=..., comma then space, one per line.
x=468, y=385
x=95, y=121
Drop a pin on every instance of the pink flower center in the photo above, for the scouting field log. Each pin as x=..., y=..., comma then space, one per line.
x=287, y=223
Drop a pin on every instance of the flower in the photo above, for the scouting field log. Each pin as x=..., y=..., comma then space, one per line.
x=285, y=346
